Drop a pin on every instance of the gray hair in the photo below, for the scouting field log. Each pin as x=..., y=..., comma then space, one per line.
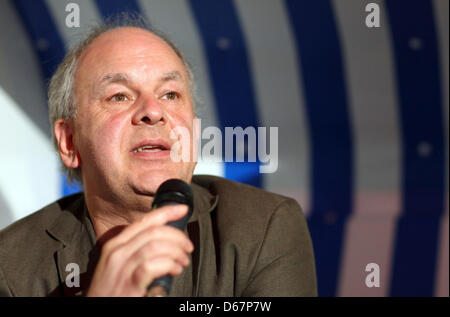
x=61, y=99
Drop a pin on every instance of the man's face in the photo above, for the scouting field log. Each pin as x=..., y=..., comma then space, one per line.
x=131, y=90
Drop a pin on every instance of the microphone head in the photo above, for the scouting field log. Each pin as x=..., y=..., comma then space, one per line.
x=174, y=191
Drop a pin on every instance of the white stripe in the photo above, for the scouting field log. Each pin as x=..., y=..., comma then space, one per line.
x=174, y=18
x=29, y=176
x=368, y=239
x=89, y=15
x=279, y=95
x=369, y=68
x=6, y=216
x=441, y=8
x=20, y=74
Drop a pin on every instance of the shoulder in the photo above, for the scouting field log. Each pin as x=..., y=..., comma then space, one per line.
x=27, y=247
x=242, y=206
x=33, y=226
x=259, y=239
x=235, y=193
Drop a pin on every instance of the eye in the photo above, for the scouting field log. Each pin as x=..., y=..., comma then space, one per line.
x=170, y=95
x=119, y=98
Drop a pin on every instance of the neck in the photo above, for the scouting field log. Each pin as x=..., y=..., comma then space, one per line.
x=107, y=215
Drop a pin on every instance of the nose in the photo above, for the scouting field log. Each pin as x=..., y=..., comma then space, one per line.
x=149, y=111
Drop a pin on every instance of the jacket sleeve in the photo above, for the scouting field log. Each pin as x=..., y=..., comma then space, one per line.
x=4, y=289
x=285, y=264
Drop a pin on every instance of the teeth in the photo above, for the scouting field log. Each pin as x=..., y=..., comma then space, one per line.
x=148, y=148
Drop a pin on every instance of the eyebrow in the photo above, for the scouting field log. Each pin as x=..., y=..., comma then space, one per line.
x=123, y=78
x=114, y=78
x=175, y=75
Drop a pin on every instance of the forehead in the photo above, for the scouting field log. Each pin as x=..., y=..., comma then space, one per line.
x=127, y=50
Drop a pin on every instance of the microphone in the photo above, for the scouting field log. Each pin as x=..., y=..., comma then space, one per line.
x=171, y=192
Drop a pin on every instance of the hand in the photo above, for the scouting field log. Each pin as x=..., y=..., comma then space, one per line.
x=141, y=253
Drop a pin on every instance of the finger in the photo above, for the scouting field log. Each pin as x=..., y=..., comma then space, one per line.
x=145, y=273
x=167, y=233
x=159, y=248
x=163, y=215
x=151, y=240
x=155, y=241
x=147, y=262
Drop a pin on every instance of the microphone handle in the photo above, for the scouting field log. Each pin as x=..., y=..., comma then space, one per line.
x=161, y=286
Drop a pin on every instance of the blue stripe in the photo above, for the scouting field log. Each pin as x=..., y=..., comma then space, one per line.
x=44, y=36
x=327, y=111
x=244, y=172
x=421, y=114
x=230, y=74
x=109, y=8
x=69, y=189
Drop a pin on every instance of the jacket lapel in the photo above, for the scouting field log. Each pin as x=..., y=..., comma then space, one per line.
x=77, y=255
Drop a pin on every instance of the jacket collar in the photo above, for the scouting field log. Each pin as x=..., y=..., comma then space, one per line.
x=69, y=223
x=73, y=230
x=204, y=201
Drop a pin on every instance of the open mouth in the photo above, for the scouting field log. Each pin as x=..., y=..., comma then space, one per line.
x=150, y=148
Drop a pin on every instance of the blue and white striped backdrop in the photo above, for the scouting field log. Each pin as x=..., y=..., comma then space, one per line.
x=362, y=116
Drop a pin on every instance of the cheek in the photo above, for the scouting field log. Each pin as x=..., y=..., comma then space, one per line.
x=103, y=136
x=182, y=131
x=112, y=130
x=181, y=119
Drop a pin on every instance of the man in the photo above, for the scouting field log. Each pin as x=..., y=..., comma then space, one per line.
x=113, y=102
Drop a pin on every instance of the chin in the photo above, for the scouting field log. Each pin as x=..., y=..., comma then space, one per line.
x=148, y=184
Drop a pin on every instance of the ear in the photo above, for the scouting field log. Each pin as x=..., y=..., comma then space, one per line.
x=64, y=134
